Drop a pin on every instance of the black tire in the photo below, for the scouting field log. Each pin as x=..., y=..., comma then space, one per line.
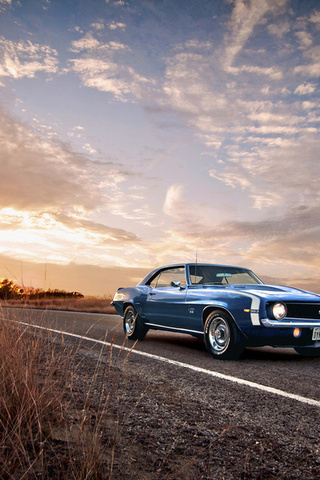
x=133, y=326
x=308, y=351
x=221, y=336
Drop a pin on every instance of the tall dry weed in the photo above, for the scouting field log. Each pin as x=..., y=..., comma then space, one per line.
x=30, y=399
x=48, y=430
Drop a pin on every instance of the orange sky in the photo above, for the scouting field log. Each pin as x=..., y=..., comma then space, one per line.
x=96, y=281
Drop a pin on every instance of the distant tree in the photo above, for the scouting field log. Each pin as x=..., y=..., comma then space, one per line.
x=6, y=289
x=9, y=290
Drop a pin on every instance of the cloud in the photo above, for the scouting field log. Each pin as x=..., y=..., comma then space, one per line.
x=290, y=238
x=107, y=234
x=173, y=204
x=124, y=199
x=62, y=238
x=315, y=17
x=273, y=72
x=37, y=173
x=311, y=69
x=264, y=173
x=305, y=88
x=189, y=90
x=279, y=29
x=246, y=15
x=48, y=193
x=88, y=42
x=308, y=44
x=305, y=39
x=97, y=25
x=26, y=59
x=5, y=4
x=115, y=25
x=99, y=67
x=107, y=76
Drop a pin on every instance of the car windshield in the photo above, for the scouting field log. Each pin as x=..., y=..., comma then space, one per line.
x=220, y=275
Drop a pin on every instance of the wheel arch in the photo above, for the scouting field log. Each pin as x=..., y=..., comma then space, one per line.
x=127, y=304
x=211, y=308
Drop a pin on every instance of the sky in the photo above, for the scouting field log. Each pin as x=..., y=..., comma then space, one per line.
x=141, y=133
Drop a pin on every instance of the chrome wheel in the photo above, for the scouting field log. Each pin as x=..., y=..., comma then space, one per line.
x=219, y=335
x=129, y=322
x=222, y=338
x=133, y=326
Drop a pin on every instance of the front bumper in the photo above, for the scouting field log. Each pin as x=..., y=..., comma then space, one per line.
x=291, y=322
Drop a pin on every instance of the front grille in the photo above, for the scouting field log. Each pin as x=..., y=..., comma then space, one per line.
x=303, y=310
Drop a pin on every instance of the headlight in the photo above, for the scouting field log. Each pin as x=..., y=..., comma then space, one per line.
x=279, y=310
x=118, y=296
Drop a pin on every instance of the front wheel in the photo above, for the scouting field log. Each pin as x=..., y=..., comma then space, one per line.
x=133, y=326
x=221, y=337
x=308, y=351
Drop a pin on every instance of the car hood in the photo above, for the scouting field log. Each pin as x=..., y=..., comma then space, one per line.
x=278, y=291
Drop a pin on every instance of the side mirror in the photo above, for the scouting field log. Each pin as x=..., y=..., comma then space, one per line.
x=175, y=283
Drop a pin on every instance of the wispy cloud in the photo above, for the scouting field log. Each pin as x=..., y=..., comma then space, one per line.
x=26, y=59
x=245, y=17
x=173, y=204
x=290, y=238
x=101, y=67
x=115, y=25
x=37, y=173
x=47, y=193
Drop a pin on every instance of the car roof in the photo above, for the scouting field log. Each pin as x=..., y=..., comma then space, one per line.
x=176, y=265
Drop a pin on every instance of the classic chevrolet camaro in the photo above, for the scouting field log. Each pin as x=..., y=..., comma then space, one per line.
x=229, y=307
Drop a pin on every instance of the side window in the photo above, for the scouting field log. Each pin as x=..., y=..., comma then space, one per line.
x=166, y=277
x=154, y=282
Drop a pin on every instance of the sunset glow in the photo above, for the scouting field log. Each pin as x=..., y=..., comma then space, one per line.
x=140, y=133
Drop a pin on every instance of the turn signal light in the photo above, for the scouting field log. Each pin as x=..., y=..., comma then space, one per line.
x=297, y=332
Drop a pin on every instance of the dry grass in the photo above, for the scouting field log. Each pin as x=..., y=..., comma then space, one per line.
x=47, y=428
x=87, y=304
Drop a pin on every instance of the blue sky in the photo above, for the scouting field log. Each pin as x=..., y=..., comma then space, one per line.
x=137, y=133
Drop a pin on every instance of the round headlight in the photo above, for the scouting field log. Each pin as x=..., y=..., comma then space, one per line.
x=279, y=310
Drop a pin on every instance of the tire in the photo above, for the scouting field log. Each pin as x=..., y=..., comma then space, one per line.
x=221, y=337
x=133, y=326
x=308, y=351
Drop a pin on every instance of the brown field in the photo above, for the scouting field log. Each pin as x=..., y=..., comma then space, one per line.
x=86, y=304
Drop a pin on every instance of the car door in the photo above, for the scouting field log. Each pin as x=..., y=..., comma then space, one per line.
x=165, y=304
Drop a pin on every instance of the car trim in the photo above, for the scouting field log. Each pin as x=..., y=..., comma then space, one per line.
x=167, y=327
x=291, y=322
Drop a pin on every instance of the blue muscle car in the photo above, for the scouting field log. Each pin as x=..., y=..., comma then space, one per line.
x=229, y=307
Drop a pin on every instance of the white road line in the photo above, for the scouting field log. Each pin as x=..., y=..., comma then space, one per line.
x=222, y=376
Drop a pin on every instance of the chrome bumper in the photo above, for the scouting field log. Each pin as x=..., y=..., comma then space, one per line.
x=291, y=322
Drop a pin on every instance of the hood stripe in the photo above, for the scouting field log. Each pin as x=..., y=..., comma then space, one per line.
x=254, y=309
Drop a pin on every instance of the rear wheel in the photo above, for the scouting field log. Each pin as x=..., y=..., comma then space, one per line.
x=308, y=351
x=133, y=326
x=221, y=336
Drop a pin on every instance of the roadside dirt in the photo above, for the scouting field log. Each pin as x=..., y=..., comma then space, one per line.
x=171, y=425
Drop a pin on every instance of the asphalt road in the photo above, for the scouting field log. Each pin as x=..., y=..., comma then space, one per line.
x=276, y=368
